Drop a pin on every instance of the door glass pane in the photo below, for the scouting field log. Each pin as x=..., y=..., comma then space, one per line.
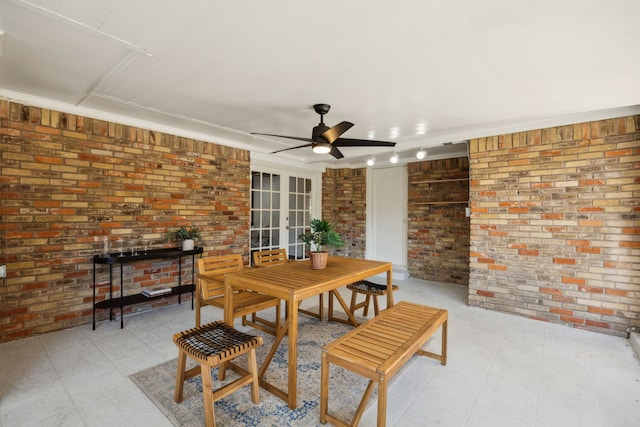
x=255, y=219
x=255, y=181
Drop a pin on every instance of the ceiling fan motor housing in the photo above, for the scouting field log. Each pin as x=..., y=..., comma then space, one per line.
x=317, y=132
x=322, y=109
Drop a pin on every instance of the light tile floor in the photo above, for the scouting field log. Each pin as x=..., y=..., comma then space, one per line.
x=502, y=370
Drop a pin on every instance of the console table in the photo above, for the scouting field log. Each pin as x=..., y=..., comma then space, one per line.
x=128, y=257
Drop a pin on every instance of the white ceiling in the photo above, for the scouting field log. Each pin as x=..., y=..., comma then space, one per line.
x=420, y=73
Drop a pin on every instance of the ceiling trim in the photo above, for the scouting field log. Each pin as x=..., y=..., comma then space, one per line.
x=242, y=140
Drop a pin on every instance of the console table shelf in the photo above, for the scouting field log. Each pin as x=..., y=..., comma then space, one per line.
x=138, y=298
x=128, y=257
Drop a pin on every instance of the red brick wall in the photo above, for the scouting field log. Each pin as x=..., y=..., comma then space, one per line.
x=438, y=231
x=555, y=233
x=67, y=181
x=344, y=196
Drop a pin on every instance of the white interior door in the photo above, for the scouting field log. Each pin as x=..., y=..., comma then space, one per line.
x=387, y=236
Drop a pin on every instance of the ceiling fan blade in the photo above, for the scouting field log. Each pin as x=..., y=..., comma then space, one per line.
x=335, y=132
x=350, y=142
x=335, y=152
x=284, y=136
x=291, y=148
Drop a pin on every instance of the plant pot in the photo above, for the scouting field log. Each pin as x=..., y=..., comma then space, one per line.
x=318, y=260
x=188, y=244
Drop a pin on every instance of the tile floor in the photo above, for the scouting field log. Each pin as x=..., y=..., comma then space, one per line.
x=502, y=370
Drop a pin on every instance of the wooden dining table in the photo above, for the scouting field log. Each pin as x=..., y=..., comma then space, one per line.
x=293, y=282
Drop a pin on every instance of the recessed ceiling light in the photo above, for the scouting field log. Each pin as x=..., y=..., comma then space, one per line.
x=421, y=154
x=421, y=128
x=371, y=161
x=394, y=132
x=394, y=158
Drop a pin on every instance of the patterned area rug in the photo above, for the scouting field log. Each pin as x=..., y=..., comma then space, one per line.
x=345, y=392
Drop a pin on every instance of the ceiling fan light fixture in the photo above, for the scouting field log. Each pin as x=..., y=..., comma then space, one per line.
x=394, y=158
x=371, y=161
x=421, y=154
x=321, y=148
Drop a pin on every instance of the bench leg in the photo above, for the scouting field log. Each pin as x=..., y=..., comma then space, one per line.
x=443, y=359
x=363, y=403
x=382, y=401
x=324, y=388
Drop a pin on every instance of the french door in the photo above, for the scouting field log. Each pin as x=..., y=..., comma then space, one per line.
x=281, y=210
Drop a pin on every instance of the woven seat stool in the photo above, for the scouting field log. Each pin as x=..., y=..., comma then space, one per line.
x=370, y=290
x=215, y=345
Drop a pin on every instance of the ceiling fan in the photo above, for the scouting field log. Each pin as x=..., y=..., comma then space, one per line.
x=327, y=140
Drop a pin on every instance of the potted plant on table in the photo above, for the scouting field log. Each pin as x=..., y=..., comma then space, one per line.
x=322, y=235
x=187, y=236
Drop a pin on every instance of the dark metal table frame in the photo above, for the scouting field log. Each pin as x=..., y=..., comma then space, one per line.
x=128, y=257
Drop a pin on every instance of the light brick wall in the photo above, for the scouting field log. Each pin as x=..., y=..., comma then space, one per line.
x=344, y=203
x=555, y=229
x=68, y=181
x=438, y=233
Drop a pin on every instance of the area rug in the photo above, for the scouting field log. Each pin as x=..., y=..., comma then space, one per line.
x=346, y=388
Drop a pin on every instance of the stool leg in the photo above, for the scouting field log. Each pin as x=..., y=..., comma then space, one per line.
x=253, y=369
x=376, y=308
x=182, y=362
x=367, y=301
x=352, y=306
x=222, y=371
x=207, y=394
x=321, y=307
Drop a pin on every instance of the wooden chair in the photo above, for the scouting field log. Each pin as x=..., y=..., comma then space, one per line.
x=275, y=257
x=370, y=290
x=210, y=291
x=215, y=345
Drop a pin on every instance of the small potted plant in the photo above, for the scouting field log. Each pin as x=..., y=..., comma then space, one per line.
x=187, y=236
x=322, y=234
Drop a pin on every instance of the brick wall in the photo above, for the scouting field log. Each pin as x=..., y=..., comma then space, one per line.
x=555, y=233
x=344, y=195
x=69, y=181
x=437, y=229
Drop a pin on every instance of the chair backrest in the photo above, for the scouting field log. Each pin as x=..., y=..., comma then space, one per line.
x=211, y=271
x=270, y=258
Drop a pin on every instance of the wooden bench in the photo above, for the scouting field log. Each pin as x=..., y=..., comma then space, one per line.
x=378, y=349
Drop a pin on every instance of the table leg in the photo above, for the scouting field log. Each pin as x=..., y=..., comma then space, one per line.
x=292, y=323
x=228, y=303
x=389, y=288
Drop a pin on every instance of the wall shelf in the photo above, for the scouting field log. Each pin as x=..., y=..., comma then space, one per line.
x=433, y=181
x=451, y=202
